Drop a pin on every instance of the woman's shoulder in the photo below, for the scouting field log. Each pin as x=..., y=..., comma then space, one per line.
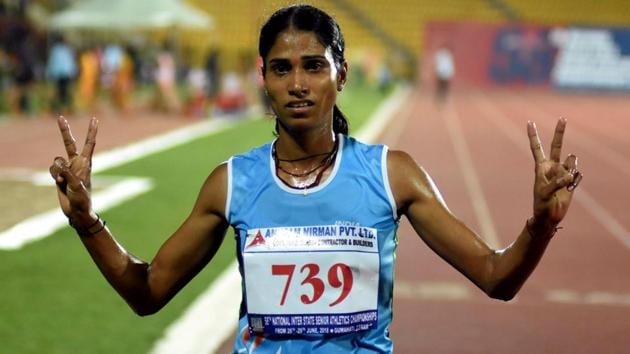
x=408, y=179
x=353, y=143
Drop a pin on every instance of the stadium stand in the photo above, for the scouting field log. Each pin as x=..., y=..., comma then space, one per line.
x=572, y=12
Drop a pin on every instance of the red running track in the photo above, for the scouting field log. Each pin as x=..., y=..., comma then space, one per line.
x=578, y=299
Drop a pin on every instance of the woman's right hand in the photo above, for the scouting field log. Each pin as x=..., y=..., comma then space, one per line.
x=73, y=176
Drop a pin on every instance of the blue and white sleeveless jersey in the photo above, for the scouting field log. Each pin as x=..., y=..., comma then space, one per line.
x=317, y=265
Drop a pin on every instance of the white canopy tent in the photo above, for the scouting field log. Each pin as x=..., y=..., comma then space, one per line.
x=120, y=15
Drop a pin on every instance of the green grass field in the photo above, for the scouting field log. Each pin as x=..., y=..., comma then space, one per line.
x=54, y=300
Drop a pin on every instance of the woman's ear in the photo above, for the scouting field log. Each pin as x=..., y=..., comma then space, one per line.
x=342, y=76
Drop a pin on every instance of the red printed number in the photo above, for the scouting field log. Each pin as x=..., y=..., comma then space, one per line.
x=285, y=269
x=312, y=270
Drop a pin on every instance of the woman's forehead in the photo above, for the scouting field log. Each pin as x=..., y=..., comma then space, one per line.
x=292, y=42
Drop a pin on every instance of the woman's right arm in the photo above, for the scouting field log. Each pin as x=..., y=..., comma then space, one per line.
x=146, y=287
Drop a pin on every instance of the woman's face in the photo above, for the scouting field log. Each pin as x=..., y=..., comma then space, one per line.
x=302, y=81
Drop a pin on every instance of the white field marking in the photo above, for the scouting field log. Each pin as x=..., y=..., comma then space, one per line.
x=209, y=316
x=473, y=186
x=223, y=320
x=135, y=151
x=383, y=115
x=590, y=204
x=43, y=225
x=395, y=130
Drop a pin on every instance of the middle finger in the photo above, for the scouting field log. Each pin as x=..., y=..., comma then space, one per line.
x=556, y=143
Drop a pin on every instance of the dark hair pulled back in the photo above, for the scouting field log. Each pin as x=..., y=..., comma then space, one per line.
x=310, y=19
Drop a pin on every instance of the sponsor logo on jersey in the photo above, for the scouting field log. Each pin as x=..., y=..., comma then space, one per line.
x=259, y=239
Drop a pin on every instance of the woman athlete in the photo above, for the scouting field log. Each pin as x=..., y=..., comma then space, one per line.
x=315, y=213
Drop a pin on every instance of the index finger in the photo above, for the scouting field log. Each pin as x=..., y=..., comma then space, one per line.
x=556, y=143
x=90, y=140
x=68, y=139
x=534, y=142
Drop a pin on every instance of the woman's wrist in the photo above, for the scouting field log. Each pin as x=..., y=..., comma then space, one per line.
x=540, y=230
x=87, y=224
x=83, y=219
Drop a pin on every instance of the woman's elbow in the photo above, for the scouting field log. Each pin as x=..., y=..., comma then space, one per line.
x=142, y=312
x=145, y=309
x=502, y=294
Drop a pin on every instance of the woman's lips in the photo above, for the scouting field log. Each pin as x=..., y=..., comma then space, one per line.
x=299, y=107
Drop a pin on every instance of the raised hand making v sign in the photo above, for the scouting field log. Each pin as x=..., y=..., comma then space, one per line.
x=554, y=181
x=73, y=177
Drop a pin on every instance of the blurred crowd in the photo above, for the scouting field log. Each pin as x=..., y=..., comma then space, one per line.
x=43, y=73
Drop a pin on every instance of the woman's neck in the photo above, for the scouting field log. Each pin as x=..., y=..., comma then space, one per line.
x=293, y=146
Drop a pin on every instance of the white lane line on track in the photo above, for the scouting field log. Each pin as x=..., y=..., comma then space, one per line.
x=582, y=196
x=473, y=186
x=447, y=291
x=383, y=116
x=444, y=291
x=43, y=225
x=223, y=316
x=394, y=131
x=588, y=298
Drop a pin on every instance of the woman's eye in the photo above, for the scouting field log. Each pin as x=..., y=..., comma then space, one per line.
x=280, y=69
x=314, y=66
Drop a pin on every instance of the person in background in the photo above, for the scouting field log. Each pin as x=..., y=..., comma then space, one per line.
x=444, y=72
x=61, y=70
x=165, y=76
x=89, y=73
x=197, y=90
x=123, y=82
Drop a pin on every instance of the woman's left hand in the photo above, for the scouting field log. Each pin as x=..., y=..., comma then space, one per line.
x=555, y=181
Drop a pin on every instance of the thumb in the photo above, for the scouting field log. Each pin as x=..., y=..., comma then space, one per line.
x=55, y=171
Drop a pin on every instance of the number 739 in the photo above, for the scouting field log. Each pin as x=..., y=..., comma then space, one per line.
x=312, y=272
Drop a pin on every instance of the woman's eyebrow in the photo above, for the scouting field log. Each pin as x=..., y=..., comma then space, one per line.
x=278, y=60
x=304, y=57
x=316, y=56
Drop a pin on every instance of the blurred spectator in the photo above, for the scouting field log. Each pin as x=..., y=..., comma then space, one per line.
x=165, y=78
x=212, y=70
x=61, y=69
x=88, y=78
x=112, y=60
x=123, y=82
x=22, y=71
x=197, y=86
x=444, y=72
x=232, y=98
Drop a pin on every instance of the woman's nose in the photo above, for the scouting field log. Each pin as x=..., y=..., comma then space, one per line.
x=298, y=86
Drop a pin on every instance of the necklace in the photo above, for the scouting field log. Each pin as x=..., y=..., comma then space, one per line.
x=325, y=163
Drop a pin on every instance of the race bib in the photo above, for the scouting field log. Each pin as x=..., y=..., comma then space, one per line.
x=311, y=279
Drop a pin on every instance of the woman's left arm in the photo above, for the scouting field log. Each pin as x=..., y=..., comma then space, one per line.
x=499, y=273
